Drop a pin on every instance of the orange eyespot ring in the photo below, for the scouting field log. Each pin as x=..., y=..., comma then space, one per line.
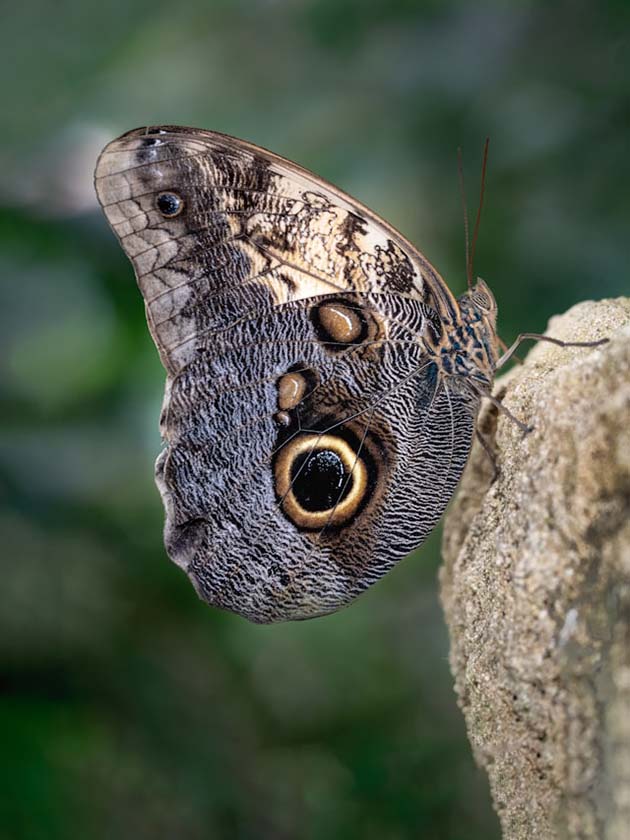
x=320, y=480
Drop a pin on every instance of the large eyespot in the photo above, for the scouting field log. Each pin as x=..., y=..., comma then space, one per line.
x=321, y=480
x=169, y=204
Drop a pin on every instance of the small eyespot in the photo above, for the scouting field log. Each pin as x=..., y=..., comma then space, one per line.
x=338, y=323
x=282, y=418
x=169, y=204
x=291, y=389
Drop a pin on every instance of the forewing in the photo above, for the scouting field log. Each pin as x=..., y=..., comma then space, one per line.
x=255, y=231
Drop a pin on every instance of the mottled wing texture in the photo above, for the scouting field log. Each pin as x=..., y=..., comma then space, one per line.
x=310, y=441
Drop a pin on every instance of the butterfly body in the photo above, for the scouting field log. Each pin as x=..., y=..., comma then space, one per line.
x=322, y=381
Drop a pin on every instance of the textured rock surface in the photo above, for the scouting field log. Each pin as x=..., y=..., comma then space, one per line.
x=536, y=587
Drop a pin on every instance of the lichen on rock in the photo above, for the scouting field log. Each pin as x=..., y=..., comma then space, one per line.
x=536, y=586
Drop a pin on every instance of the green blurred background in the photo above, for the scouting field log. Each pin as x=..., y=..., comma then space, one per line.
x=128, y=709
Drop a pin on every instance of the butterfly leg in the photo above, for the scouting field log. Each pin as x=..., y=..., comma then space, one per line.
x=490, y=453
x=505, y=348
x=484, y=393
x=537, y=337
x=504, y=410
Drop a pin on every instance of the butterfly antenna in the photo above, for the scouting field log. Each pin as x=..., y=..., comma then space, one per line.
x=484, y=167
x=462, y=190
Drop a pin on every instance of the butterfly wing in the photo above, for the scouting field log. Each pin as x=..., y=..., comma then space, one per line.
x=310, y=439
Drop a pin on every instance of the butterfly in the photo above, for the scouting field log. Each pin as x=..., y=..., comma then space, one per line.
x=323, y=382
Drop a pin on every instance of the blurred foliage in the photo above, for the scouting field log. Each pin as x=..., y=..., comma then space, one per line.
x=129, y=709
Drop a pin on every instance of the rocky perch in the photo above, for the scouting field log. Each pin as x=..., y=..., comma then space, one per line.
x=536, y=586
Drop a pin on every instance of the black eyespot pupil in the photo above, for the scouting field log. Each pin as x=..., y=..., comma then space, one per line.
x=169, y=204
x=319, y=480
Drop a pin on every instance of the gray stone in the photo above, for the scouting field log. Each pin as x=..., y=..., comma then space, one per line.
x=536, y=586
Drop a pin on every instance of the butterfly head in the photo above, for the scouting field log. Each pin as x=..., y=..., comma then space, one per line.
x=479, y=301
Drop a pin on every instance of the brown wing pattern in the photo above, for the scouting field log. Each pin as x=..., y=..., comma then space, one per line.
x=310, y=439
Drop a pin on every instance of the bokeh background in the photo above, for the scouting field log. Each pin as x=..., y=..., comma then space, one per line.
x=128, y=709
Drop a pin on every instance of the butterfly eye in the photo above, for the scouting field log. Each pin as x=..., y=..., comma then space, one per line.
x=480, y=299
x=169, y=204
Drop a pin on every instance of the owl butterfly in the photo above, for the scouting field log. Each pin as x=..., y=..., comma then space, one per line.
x=322, y=381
